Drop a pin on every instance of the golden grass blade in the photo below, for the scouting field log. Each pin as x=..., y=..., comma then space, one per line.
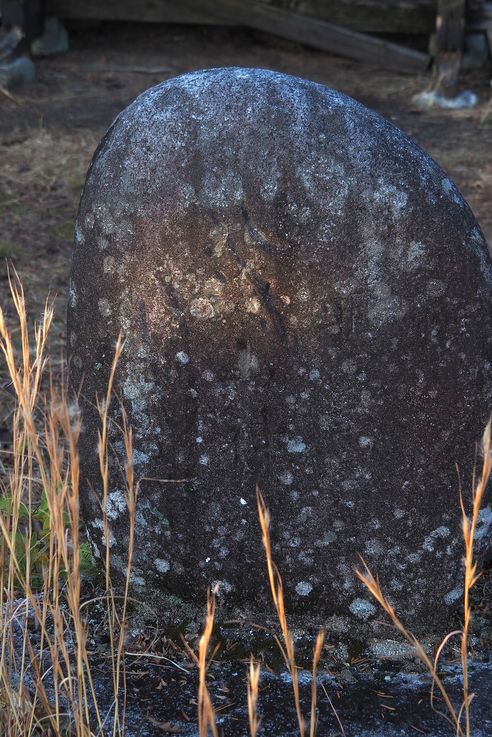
x=318, y=649
x=253, y=688
x=276, y=588
x=374, y=588
x=342, y=730
x=469, y=526
x=206, y=713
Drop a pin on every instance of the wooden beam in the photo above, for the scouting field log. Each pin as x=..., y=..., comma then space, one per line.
x=146, y=11
x=410, y=17
x=317, y=33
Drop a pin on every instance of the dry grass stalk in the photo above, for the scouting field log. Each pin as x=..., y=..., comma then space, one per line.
x=373, y=586
x=276, y=588
x=253, y=689
x=206, y=713
x=45, y=458
x=469, y=528
x=318, y=649
x=288, y=649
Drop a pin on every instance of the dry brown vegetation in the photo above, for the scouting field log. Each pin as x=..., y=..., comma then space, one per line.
x=45, y=461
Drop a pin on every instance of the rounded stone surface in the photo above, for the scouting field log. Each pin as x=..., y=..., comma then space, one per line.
x=306, y=302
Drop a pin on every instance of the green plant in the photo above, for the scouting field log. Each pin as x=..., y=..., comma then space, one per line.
x=32, y=540
x=7, y=250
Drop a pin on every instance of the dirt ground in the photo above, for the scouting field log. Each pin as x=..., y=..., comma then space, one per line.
x=49, y=130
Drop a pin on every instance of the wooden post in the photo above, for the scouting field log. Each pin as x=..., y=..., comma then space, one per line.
x=450, y=26
x=448, y=42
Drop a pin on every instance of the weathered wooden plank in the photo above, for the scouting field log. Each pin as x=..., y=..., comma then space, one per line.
x=369, y=16
x=318, y=34
x=146, y=11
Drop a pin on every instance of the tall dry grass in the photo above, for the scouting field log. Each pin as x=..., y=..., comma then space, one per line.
x=48, y=688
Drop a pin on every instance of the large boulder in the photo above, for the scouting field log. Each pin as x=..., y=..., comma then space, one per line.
x=306, y=302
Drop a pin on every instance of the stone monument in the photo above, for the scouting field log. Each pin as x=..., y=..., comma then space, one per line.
x=306, y=302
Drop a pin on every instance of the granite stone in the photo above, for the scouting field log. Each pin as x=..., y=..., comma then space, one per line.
x=306, y=302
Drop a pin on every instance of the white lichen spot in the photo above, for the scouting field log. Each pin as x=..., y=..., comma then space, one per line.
x=430, y=541
x=109, y=264
x=453, y=595
x=213, y=287
x=303, y=295
x=111, y=542
x=391, y=649
x=137, y=580
x=202, y=308
x=374, y=548
x=314, y=375
x=296, y=445
x=204, y=460
x=182, y=357
x=242, y=501
x=388, y=195
x=221, y=587
x=104, y=307
x=253, y=305
x=304, y=588
x=248, y=363
x=208, y=375
x=328, y=538
x=366, y=442
x=435, y=288
x=349, y=366
x=286, y=478
x=451, y=191
x=199, y=440
x=362, y=608
x=218, y=237
x=79, y=236
x=72, y=295
x=140, y=458
x=415, y=255
x=484, y=525
x=162, y=565
x=396, y=585
x=116, y=504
